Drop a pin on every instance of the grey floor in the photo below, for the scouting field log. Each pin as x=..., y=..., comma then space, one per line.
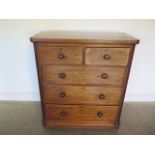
x=24, y=118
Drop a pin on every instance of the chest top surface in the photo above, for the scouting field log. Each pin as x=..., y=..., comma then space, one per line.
x=84, y=37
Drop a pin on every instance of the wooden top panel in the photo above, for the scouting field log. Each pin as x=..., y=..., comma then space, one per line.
x=84, y=37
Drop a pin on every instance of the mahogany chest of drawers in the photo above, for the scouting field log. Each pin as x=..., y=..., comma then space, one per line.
x=83, y=77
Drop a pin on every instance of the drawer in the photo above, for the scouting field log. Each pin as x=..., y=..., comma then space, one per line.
x=81, y=114
x=83, y=75
x=107, y=56
x=82, y=95
x=59, y=55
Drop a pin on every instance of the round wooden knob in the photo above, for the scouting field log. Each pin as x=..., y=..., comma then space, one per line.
x=100, y=114
x=102, y=96
x=63, y=113
x=62, y=94
x=61, y=56
x=62, y=75
x=104, y=76
x=106, y=56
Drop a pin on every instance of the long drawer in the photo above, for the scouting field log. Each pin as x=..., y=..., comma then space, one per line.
x=82, y=95
x=83, y=75
x=81, y=113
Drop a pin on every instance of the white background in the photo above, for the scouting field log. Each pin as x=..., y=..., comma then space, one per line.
x=18, y=76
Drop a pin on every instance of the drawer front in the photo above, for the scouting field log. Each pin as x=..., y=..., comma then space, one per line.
x=107, y=56
x=83, y=75
x=60, y=55
x=81, y=114
x=85, y=95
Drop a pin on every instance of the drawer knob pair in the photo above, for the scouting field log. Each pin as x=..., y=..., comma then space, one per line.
x=61, y=56
x=104, y=76
x=100, y=114
x=106, y=57
x=63, y=113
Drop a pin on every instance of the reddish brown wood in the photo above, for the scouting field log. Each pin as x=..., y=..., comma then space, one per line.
x=81, y=113
x=84, y=37
x=50, y=124
x=125, y=81
x=90, y=95
x=39, y=72
x=83, y=77
x=60, y=55
x=107, y=56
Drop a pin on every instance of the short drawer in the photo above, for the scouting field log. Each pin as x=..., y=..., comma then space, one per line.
x=107, y=56
x=82, y=95
x=59, y=55
x=83, y=75
x=80, y=114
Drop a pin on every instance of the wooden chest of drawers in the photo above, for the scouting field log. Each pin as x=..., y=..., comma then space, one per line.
x=83, y=77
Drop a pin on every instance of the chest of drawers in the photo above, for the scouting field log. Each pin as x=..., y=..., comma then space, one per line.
x=83, y=77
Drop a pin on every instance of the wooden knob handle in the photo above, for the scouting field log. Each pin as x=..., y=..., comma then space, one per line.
x=61, y=56
x=62, y=94
x=63, y=113
x=104, y=76
x=102, y=96
x=62, y=75
x=100, y=114
x=106, y=56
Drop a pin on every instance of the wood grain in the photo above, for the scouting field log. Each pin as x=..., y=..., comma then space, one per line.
x=60, y=55
x=107, y=56
x=81, y=113
x=82, y=75
x=102, y=125
x=82, y=95
x=84, y=37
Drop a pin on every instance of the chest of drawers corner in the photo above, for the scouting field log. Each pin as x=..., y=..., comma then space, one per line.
x=83, y=77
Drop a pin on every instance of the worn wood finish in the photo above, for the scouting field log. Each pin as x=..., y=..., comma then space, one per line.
x=82, y=95
x=107, y=56
x=125, y=81
x=84, y=37
x=105, y=125
x=81, y=113
x=40, y=81
x=60, y=55
x=93, y=45
x=83, y=77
